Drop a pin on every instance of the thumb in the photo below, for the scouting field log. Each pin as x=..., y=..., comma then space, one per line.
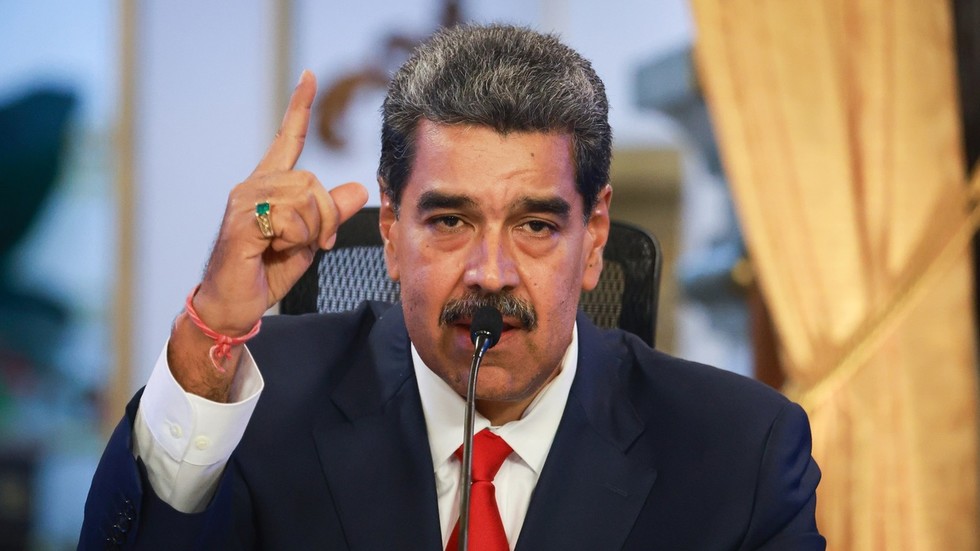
x=349, y=198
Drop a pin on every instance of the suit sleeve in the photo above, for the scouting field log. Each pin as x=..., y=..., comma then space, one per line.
x=123, y=512
x=785, y=501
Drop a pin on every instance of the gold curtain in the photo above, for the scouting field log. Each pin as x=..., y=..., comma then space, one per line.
x=838, y=125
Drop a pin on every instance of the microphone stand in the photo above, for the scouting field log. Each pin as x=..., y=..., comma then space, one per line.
x=485, y=334
x=466, y=476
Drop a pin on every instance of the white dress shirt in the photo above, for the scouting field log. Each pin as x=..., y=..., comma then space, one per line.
x=185, y=440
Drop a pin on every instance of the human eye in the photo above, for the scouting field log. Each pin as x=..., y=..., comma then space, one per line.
x=446, y=222
x=539, y=228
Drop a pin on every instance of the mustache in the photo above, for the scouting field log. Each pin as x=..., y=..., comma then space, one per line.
x=509, y=306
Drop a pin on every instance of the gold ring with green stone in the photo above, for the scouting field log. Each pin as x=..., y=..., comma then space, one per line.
x=262, y=211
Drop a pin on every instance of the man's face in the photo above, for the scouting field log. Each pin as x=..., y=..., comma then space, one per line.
x=481, y=214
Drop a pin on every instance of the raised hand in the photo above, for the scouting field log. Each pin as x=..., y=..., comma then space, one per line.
x=249, y=272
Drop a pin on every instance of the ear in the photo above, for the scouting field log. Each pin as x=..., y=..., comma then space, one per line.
x=597, y=234
x=388, y=225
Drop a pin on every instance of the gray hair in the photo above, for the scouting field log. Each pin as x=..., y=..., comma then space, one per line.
x=507, y=78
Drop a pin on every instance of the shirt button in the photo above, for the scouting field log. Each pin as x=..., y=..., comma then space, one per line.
x=176, y=431
x=202, y=442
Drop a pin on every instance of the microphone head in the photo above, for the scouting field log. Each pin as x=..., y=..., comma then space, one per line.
x=487, y=320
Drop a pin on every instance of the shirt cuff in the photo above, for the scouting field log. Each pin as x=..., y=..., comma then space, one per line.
x=195, y=430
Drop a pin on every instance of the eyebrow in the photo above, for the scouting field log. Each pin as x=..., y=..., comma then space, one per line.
x=550, y=205
x=435, y=200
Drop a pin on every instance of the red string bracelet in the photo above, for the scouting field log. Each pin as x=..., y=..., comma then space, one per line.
x=221, y=350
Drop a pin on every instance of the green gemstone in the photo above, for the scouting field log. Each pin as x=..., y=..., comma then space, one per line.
x=261, y=209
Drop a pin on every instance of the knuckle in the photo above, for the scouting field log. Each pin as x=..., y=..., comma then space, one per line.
x=237, y=191
x=307, y=177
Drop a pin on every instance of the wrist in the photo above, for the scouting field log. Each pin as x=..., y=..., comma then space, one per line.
x=223, y=315
x=221, y=351
x=190, y=364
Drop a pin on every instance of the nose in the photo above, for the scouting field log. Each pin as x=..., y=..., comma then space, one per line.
x=490, y=266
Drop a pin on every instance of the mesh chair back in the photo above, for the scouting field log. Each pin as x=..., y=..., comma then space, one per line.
x=354, y=271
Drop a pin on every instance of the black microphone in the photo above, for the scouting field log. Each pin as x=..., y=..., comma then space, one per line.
x=485, y=329
x=487, y=324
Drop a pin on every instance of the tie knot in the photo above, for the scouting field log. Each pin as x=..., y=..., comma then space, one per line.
x=489, y=452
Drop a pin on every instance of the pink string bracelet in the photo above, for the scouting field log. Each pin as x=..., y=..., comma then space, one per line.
x=221, y=350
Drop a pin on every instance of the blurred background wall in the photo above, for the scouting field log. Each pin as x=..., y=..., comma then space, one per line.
x=58, y=248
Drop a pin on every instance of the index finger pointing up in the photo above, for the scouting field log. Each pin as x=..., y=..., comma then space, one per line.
x=288, y=144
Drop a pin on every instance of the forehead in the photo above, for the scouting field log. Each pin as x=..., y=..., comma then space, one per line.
x=478, y=161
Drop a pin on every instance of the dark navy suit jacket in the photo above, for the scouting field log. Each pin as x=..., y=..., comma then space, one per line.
x=652, y=452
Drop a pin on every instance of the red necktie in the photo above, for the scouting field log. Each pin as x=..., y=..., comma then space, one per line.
x=486, y=528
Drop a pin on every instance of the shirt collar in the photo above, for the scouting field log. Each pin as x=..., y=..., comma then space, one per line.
x=530, y=436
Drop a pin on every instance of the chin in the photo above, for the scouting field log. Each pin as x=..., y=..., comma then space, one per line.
x=495, y=384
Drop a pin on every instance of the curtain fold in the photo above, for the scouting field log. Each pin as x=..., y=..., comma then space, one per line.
x=838, y=126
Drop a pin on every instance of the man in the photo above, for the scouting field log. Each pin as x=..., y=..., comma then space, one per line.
x=494, y=178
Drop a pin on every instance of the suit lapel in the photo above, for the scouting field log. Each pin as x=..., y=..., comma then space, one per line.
x=595, y=480
x=377, y=461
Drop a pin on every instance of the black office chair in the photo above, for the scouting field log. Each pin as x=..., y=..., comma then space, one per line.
x=354, y=271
